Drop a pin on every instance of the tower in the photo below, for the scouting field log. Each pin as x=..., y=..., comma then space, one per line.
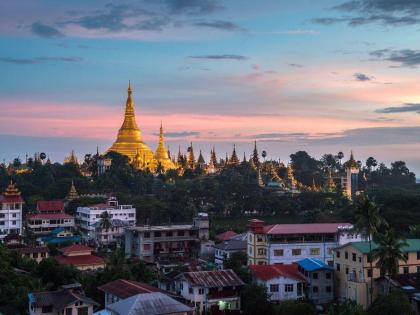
x=72, y=193
x=255, y=159
x=233, y=158
x=191, y=158
x=200, y=160
x=161, y=155
x=212, y=167
x=350, y=179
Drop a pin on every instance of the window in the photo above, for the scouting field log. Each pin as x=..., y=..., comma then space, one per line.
x=338, y=267
x=274, y=288
x=347, y=270
x=261, y=251
x=337, y=254
x=190, y=290
x=278, y=252
x=405, y=270
x=131, y=215
x=346, y=255
x=418, y=255
x=353, y=256
x=146, y=246
x=418, y=269
x=158, y=234
x=328, y=275
x=259, y=238
x=315, y=289
x=288, y=288
x=201, y=291
x=169, y=234
x=369, y=273
x=47, y=309
x=69, y=311
x=180, y=233
x=83, y=310
x=250, y=250
x=146, y=234
x=368, y=258
x=328, y=289
x=406, y=256
x=315, y=275
x=360, y=259
x=296, y=251
x=315, y=251
x=250, y=237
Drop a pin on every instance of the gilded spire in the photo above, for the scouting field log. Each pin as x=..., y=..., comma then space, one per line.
x=200, y=160
x=351, y=163
x=191, y=158
x=73, y=192
x=234, y=158
x=161, y=155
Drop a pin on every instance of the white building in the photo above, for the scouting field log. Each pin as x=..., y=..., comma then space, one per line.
x=11, y=203
x=224, y=250
x=86, y=217
x=288, y=243
x=283, y=282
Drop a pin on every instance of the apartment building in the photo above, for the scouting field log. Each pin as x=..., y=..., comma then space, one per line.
x=11, y=203
x=167, y=241
x=353, y=272
x=288, y=243
x=87, y=217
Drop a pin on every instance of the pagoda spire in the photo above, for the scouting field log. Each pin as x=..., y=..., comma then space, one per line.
x=234, y=158
x=255, y=158
x=161, y=154
x=72, y=193
x=200, y=161
x=191, y=158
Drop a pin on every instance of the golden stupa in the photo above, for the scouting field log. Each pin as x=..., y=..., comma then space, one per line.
x=129, y=141
x=161, y=155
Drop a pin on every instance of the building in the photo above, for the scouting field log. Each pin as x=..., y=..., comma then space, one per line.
x=283, y=282
x=155, y=303
x=11, y=203
x=353, y=272
x=224, y=250
x=68, y=300
x=60, y=236
x=319, y=279
x=288, y=243
x=350, y=179
x=111, y=235
x=122, y=289
x=80, y=257
x=225, y=236
x=211, y=290
x=36, y=253
x=50, y=216
x=87, y=217
x=176, y=241
x=104, y=165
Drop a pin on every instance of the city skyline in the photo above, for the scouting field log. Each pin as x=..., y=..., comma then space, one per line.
x=324, y=77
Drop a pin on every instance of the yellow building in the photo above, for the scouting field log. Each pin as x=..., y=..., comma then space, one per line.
x=353, y=272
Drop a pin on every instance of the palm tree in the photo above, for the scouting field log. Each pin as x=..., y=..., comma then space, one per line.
x=389, y=253
x=105, y=222
x=368, y=221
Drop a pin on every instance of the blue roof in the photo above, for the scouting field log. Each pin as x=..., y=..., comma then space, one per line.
x=59, y=240
x=311, y=264
x=57, y=230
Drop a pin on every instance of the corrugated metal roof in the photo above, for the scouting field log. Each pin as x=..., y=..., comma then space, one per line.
x=50, y=205
x=125, y=288
x=155, y=303
x=213, y=278
x=309, y=228
x=413, y=245
x=267, y=272
x=311, y=264
x=232, y=245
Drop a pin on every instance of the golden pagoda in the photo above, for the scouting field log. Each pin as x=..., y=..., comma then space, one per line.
x=72, y=193
x=129, y=141
x=71, y=159
x=161, y=156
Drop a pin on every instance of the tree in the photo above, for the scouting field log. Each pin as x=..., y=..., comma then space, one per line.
x=348, y=307
x=255, y=300
x=389, y=253
x=237, y=262
x=367, y=221
x=414, y=231
x=295, y=308
x=105, y=222
x=394, y=303
x=371, y=163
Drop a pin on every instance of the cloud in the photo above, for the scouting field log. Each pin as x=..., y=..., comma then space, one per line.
x=36, y=60
x=362, y=77
x=405, y=57
x=191, y=7
x=404, y=108
x=221, y=25
x=180, y=134
x=220, y=57
x=44, y=30
x=295, y=65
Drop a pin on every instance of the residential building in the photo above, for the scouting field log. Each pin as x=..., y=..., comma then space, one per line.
x=353, y=272
x=319, y=280
x=68, y=300
x=211, y=290
x=122, y=289
x=80, y=257
x=11, y=203
x=155, y=303
x=59, y=236
x=224, y=250
x=288, y=243
x=113, y=234
x=225, y=236
x=36, y=253
x=86, y=217
x=50, y=215
x=166, y=241
x=283, y=282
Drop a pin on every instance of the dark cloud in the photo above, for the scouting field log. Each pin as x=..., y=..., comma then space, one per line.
x=221, y=25
x=387, y=12
x=44, y=30
x=191, y=7
x=220, y=57
x=362, y=77
x=180, y=134
x=36, y=60
x=404, y=108
x=405, y=57
x=295, y=65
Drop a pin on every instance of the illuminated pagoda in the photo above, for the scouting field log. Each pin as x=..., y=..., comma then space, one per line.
x=162, y=156
x=234, y=160
x=71, y=159
x=129, y=140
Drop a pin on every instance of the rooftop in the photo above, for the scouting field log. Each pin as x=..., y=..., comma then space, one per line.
x=49, y=216
x=50, y=205
x=267, y=272
x=212, y=279
x=310, y=228
x=125, y=288
x=30, y=250
x=57, y=299
x=82, y=260
x=225, y=236
x=232, y=245
x=75, y=248
x=162, y=227
x=311, y=264
x=413, y=245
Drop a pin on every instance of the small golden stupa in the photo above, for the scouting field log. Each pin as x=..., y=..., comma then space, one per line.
x=161, y=156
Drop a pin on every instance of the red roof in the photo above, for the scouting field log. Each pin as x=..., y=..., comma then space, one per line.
x=267, y=272
x=125, y=288
x=48, y=216
x=76, y=248
x=50, y=206
x=310, y=228
x=225, y=236
x=81, y=260
x=8, y=199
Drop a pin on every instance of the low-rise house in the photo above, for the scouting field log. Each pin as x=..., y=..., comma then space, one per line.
x=36, y=253
x=68, y=300
x=319, y=280
x=122, y=289
x=113, y=234
x=155, y=303
x=225, y=236
x=283, y=282
x=80, y=257
x=353, y=271
x=167, y=241
x=60, y=236
x=224, y=250
x=211, y=290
